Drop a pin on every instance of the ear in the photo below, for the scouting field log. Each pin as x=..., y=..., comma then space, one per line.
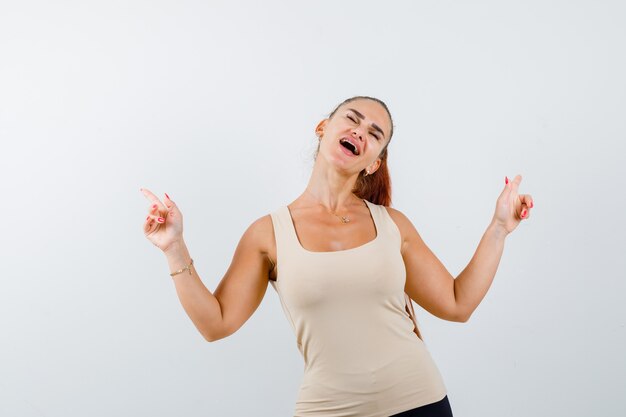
x=319, y=130
x=374, y=167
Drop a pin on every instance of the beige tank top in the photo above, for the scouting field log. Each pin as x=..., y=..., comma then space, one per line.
x=347, y=308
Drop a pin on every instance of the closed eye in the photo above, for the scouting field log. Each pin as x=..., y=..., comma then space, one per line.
x=355, y=121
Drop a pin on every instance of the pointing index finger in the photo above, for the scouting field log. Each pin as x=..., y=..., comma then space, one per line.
x=148, y=194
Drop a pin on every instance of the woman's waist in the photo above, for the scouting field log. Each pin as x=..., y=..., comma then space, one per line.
x=369, y=364
x=400, y=380
x=376, y=355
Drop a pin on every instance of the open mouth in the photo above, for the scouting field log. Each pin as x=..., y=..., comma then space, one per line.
x=349, y=146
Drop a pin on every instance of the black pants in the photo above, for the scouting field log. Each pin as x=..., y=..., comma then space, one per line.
x=439, y=409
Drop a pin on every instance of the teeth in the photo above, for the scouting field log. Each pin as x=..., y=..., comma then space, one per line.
x=354, y=148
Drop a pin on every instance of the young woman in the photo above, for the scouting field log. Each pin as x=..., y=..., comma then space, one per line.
x=345, y=266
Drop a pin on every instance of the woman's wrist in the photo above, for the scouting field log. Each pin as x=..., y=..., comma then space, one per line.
x=498, y=230
x=175, y=247
x=177, y=255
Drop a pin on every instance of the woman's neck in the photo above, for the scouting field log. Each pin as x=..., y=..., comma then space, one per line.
x=330, y=188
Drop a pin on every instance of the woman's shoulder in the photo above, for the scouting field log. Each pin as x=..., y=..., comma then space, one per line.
x=259, y=238
x=405, y=226
x=396, y=215
x=261, y=230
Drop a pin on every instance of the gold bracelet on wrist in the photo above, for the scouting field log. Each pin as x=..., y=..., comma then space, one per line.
x=188, y=267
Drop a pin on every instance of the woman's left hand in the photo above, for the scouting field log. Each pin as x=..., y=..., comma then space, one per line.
x=511, y=207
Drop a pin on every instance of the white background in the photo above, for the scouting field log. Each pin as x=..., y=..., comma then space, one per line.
x=216, y=103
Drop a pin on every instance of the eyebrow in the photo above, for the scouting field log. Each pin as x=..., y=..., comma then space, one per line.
x=374, y=125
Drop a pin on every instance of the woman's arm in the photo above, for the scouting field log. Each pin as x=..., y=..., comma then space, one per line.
x=239, y=293
x=199, y=303
x=430, y=284
x=471, y=286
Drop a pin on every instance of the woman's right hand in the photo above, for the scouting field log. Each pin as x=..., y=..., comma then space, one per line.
x=164, y=224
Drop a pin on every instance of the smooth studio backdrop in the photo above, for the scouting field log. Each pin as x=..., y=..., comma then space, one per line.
x=216, y=103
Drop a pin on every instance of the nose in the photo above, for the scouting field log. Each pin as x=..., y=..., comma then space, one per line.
x=357, y=134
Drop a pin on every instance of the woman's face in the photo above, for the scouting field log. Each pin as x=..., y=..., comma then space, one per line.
x=363, y=122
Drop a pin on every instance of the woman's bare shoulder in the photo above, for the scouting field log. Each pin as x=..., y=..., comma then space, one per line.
x=261, y=234
x=405, y=226
x=398, y=217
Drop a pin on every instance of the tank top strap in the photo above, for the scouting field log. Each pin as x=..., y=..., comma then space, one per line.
x=385, y=224
x=284, y=233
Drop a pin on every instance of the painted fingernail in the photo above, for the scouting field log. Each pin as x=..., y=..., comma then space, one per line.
x=147, y=217
x=168, y=197
x=524, y=213
x=531, y=204
x=161, y=219
x=506, y=180
x=154, y=206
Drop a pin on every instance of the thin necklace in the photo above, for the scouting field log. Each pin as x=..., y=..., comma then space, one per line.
x=344, y=219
